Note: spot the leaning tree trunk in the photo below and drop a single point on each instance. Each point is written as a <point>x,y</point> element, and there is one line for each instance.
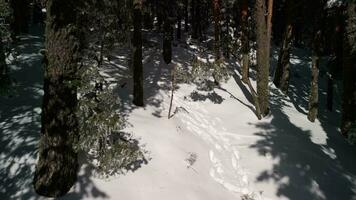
<point>262,56</point>
<point>57,166</point>
<point>349,68</point>
<point>245,41</point>
<point>137,55</point>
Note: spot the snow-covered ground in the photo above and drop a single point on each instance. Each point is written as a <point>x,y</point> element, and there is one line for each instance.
<point>213,147</point>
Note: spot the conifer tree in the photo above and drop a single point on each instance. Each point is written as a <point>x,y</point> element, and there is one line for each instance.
<point>57,166</point>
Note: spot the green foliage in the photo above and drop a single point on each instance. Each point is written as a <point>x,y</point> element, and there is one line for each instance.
<point>111,151</point>
<point>201,72</point>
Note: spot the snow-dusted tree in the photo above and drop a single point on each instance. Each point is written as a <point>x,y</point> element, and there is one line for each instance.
<point>137,53</point>
<point>56,170</point>
<point>349,70</point>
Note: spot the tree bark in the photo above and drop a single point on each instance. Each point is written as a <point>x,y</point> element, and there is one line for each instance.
<point>349,71</point>
<point>314,89</point>
<point>217,27</point>
<point>282,74</point>
<point>3,66</point>
<point>57,166</point>
<point>316,54</point>
<point>137,54</point>
<point>262,29</point>
<point>245,41</point>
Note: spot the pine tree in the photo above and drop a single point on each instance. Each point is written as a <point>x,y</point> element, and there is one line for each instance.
<point>282,74</point>
<point>263,31</point>
<point>349,71</point>
<point>137,53</point>
<point>57,166</point>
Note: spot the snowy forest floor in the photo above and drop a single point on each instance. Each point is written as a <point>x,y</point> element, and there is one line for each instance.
<point>212,148</point>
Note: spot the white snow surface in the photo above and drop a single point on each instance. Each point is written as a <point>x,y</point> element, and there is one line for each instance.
<point>283,156</point>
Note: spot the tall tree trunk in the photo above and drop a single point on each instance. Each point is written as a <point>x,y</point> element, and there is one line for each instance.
<point>217,27</point>
<point>245,41</point>
<point>3,66</point>
<point>263,44</point>
<point>179,27</point>
<point>168,32</point>
<point>137,54</point>
<point>282,73</point>
<point>349,68</point>
<point>20,16</point>
<point>314,89</point>
<point>57,166</point>
<point>316,54</point>
<point>186,15</point>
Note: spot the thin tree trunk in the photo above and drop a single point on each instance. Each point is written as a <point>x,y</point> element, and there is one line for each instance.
<point>245,41</point>
<point>217,27</point>
<point>3,66</point>
<point>172,92</point>
<point>57,166</point>
<point>314,89</point>
<point>179,27</point>
<point>168,33</point>
<point>282,74</point>
<point>186,15</point>
<point>349,71</point>
<point>137,55</point>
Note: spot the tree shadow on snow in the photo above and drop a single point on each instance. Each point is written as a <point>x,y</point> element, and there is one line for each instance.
<point>304,169</point>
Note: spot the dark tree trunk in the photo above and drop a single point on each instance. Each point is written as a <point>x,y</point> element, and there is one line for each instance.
<point>137,55</point>
<point>282,73</point>
<point>3,66</point>
<point>20,10</point>
<point>316,54</point>
<point>179,27</point>
<point>167,41</point>
<point>57,166</point>
<point>217,27</point>
<point>245,41</point>
<point>186,15</point>
<point>196,19</point>
<point>349,71</point>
